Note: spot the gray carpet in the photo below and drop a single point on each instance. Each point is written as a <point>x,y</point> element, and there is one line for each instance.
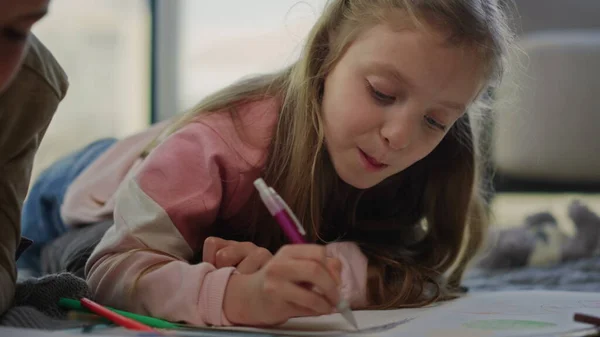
<point>580,275</point>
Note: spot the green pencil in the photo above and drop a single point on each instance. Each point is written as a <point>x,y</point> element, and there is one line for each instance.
<point>72,304</point>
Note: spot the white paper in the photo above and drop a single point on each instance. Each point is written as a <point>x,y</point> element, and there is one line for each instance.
<point>369,322</point>
<point>494,314</point>
<point>518,313</point>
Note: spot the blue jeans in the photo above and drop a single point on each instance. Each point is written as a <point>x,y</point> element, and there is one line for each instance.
<point>40,218</point>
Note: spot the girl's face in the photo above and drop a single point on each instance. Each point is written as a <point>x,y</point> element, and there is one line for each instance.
<point>391,99</point>
<point>16,19</point>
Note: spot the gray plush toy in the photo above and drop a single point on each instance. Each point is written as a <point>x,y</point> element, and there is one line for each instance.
<point>540,241</point>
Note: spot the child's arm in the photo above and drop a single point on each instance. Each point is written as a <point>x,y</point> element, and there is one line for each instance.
<point>162,217</point>
<point>354,272</point>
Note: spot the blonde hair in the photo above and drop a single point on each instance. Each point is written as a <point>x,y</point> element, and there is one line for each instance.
<point>406,267</point>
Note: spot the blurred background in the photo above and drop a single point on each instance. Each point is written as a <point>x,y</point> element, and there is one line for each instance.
<point>104,48</point>
<point>132,63</point>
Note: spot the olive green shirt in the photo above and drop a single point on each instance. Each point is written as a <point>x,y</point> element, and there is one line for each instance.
<point>26,109</point>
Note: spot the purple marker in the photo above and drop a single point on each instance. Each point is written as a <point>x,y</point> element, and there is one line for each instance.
<point>294,231</point>
<point>281,212</point>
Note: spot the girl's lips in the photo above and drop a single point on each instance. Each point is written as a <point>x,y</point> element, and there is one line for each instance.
<point>371,164</point>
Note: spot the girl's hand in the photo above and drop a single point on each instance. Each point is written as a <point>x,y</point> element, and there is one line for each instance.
<point>297,281</point>
<point>245,256</point>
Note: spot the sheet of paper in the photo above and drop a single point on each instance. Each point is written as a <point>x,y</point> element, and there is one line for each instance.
<point>520,313</point>
<point>503,314</point>
<point>499,314</point>
<point>369,322</point>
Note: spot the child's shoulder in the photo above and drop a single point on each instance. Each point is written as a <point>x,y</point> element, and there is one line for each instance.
<point>247,129</point>
<point>253,117</point>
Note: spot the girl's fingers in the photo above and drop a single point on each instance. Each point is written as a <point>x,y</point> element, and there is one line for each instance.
<point>335,268</point>
<point>326,283</point>
<point>255,261</point>
<point>298,311</point>
<point>210,248</point>
<point>232,255</point>
<point>308,302</point>
<point>307,271</point>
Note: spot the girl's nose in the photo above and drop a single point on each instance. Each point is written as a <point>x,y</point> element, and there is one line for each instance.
<point>398,131</point>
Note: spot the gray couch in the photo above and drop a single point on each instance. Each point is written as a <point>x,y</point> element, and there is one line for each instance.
<point>548,130</point>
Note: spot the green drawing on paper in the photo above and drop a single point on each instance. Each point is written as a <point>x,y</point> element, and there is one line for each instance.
<point>507,324</point>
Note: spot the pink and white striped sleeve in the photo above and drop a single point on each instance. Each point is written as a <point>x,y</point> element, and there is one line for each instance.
<point>162,216</point>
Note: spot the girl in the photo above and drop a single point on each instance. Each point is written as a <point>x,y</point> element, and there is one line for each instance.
<point>368,138</point>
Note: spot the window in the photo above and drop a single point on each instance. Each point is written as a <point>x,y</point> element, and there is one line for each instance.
<point>201,46</point>
<point>104,47</point>
<point>223,41</point>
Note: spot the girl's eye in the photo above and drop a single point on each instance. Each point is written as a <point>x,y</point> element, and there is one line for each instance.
<point>14,35</point>
<point>432,123</point>
<point>380,97</point>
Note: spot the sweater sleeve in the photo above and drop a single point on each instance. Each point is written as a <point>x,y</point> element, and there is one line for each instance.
<point>354,272</point>
<point>162,216</point>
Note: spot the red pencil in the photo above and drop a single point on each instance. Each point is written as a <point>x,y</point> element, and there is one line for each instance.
<point>114,317</point>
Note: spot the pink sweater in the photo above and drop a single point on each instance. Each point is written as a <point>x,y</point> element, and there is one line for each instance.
<point>166,205</point>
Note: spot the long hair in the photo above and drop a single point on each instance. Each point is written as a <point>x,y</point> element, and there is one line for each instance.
<point>419,228</point>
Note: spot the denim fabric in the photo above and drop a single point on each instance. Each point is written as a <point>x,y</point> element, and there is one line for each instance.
<point>40,218</point>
